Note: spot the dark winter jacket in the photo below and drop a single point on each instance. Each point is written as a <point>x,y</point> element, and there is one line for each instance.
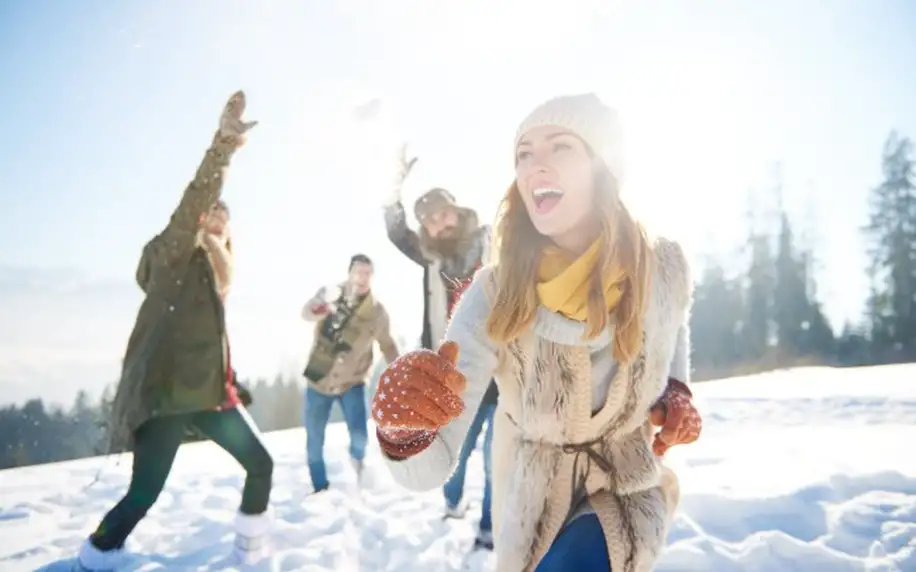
<point>441,277</point>
<point>176,357</point>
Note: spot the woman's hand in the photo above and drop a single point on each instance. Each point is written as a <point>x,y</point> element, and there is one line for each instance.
<point>675,414</point>
<point>421,390</point>
<point>418,394</point>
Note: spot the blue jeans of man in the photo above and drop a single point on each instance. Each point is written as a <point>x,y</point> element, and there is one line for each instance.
<point>580,547</point>
<point>454,488</point>
<point>317,412</point>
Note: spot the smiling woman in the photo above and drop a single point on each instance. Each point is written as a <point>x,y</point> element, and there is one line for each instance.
<point>582,320</point>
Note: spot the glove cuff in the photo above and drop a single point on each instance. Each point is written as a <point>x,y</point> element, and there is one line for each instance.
<point>398,451</point>
<point>676,385</point>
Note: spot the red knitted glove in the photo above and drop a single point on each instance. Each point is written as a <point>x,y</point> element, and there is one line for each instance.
<point>418,394</point>
<point>401,444</point>
<point>675,414</point>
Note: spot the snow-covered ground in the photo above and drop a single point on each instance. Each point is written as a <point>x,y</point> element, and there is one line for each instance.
<point>811,470</point>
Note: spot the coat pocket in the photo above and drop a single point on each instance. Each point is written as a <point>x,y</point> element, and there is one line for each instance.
<point>196,377</point>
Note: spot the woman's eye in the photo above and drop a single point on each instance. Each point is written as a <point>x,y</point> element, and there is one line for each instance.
<point>562,147</point>
<point>522,155</point>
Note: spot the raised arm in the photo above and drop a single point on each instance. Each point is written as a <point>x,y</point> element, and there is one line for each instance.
<point>399,233</point>
<point>179,236</point>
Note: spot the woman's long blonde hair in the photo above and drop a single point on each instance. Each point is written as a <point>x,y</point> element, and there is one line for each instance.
<point>516,253</point>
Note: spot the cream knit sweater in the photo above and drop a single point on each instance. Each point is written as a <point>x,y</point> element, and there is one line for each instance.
<point>556,389</point>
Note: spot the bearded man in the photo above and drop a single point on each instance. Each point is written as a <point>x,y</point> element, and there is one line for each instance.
<point>451,246</point>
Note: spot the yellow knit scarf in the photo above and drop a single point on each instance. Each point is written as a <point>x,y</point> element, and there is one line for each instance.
<point>563,282</point>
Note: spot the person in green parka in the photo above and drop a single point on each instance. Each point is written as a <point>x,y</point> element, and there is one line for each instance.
<point>176,376</point>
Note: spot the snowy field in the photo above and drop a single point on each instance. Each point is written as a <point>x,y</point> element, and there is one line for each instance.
<point>808,470</point>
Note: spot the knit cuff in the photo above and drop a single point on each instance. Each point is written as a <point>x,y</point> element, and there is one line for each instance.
<point>678,385</point>
<point>398,450</point>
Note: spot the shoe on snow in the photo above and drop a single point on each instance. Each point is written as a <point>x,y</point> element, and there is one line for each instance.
<point>484,540</point>
<point>457,512</point>
<point>91,559</point>
<point>358,468</point>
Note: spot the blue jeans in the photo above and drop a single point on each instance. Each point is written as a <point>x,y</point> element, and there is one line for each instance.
<point>317,413</point>
<point>580,547</point>
<point>454,488</point>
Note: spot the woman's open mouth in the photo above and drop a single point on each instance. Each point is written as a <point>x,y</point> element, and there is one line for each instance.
<point>546,199</point>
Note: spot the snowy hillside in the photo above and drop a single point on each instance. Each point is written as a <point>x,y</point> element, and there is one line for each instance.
<point>809,469</point>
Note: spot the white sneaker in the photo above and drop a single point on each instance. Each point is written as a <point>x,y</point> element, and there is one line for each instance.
<point>456,511</point>
<point>484,540</point>
<point>359,467</point>
<point>250,545</point>
<point>91,559</point>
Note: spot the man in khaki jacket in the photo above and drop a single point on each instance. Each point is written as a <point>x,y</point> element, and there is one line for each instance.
<point>348,321</point>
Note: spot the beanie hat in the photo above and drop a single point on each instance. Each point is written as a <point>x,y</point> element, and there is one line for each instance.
<point>590,119</point>
<point>432,201</point>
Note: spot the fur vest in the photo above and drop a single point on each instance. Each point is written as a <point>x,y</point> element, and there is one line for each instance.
<point>550,451</point>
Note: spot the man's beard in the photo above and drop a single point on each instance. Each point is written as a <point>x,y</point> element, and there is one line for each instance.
<point>448,244</point>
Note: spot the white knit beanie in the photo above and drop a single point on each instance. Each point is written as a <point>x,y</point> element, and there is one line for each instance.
<point>590,119</point>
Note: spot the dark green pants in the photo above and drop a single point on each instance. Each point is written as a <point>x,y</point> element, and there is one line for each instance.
<point>156,443</point>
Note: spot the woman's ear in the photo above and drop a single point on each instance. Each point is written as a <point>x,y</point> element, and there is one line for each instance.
<point>201,219</point>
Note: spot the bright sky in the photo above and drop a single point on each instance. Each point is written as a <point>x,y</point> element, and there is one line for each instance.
<point>108,106</point>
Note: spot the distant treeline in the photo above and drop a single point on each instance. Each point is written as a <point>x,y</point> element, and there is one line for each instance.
<point>767,315</point>
<point>36,433</point>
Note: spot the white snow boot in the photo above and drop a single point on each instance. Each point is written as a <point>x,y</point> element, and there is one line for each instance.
<point>91,559</point>
<point>251,537</point>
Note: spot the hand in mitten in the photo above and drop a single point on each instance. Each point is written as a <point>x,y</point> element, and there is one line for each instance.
<point>675,414</point>
<point>418,394</point>
<point>403,169</point>
<point>232,129</point>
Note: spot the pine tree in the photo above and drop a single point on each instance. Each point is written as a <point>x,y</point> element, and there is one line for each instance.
<point>715,323</point>
<point>790,297</point>
<point>892,232</point>
<point>758,331</point>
